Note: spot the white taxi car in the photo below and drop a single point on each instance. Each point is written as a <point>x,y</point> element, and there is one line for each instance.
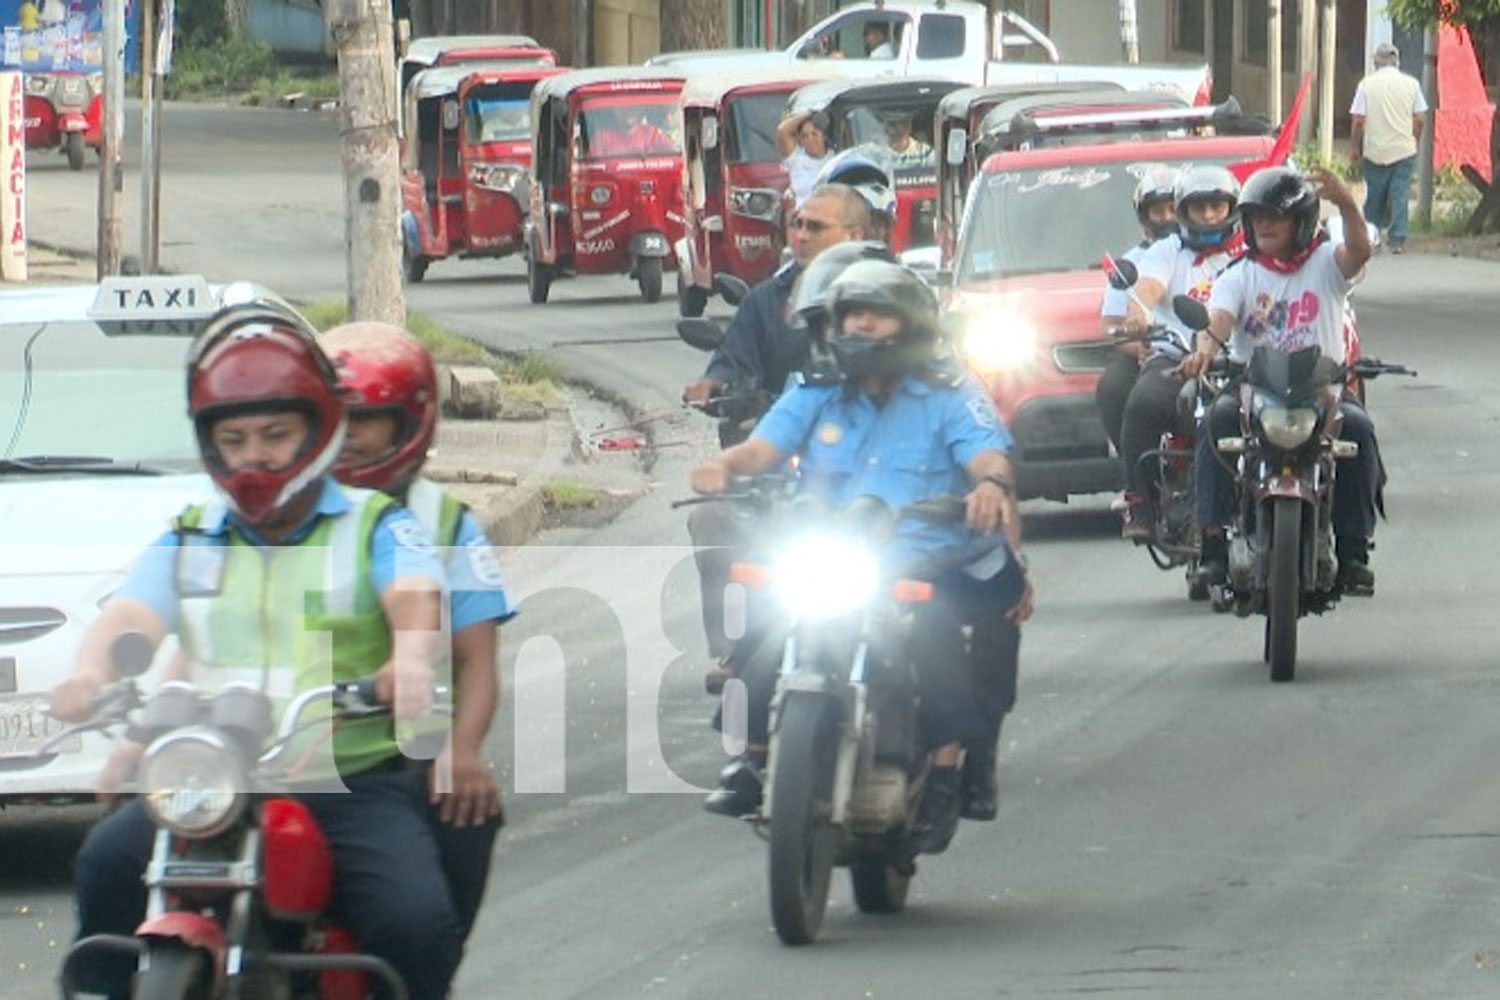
<point>97,454</point>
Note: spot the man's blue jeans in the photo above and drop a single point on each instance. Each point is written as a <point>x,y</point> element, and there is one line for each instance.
<point>1386,189</point>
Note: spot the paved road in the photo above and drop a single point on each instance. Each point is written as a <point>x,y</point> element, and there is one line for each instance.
<point>1171,823</point>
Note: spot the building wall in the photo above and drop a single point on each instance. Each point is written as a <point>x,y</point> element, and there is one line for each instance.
<point>291,27</point>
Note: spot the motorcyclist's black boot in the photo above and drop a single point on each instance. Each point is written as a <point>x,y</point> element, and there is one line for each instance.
<point>1213,563</point>
<point>937,819</point>
<point>740,785</point>
<point>1355,576</point>
<point>977,779</point>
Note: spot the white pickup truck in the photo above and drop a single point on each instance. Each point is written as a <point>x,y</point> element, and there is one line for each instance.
<point>946,38</point>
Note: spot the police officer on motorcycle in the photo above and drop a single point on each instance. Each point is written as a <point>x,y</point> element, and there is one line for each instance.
<point>902,425</point>
<point>232,580</point>
<point>392,393</point>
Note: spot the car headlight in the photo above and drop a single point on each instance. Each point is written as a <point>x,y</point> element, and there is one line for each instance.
<point>999,344</point>
<point>193,783</point>
<point>755,203</point>
<point>1285,426</point>
<point>822,577</point>
<point>600,194</point>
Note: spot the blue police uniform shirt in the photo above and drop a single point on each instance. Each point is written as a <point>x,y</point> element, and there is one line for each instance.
<point>477,590</point>
<point>398,540</point>
<point>917,446</point>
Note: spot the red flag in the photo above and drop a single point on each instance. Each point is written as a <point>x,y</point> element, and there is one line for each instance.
<point>1285,139</point>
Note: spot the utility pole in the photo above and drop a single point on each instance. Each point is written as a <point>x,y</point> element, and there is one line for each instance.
<point>1326,66</point>
<point>1424,146</point>
<point>1273,58</point>
<point>361,31</point>
<point>156,45</point>
<point>112,140</point>
<point>1130,46</point>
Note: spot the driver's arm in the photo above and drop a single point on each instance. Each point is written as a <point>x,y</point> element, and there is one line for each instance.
<point>786,134</point>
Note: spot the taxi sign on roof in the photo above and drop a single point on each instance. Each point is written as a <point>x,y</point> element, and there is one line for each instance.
<point>153,297</point>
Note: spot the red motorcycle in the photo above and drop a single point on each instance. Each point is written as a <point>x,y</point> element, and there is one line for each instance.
<point>240,877</point>
<point>63,111</point>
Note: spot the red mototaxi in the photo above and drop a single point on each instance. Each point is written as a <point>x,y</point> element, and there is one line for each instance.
<point>858,111</point>
<point>453,50</point>
<point>63,110</point>
<point>1028,286</point>
<point>606,177</point>
<point>733,178</point>
<point>465,162</point>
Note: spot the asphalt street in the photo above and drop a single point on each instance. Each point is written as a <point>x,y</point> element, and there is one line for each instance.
<point>1171,823</point>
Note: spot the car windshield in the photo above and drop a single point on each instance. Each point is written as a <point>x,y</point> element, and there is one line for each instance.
<point>499,112</point>
<point>1054,219</point>
<point>68,390</point>
<point>752,128</point>
<point>904,130</point>
<point>641,125</point>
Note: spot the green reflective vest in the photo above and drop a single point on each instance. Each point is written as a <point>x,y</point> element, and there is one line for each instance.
<point>287,618</point>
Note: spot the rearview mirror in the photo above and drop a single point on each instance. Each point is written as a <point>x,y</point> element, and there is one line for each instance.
<point>730,288</point>
<point>1123,275</point>
<point>700,333</point>
<point>958,146</point>
<point>1194,314</point>
<point>131,654</point>
<point>710,131</point>
<point>450,115</point>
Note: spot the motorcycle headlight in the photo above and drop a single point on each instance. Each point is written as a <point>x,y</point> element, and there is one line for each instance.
<point>600,194</point>
<point>1285,426</point>
<point>823,577</point>
<point>193,783</point>
<point>999,345</point>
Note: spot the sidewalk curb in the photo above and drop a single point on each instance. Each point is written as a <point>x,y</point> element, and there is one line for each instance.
<point>512,514</point>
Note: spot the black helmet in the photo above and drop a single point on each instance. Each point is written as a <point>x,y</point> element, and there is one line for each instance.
<point>809,298</point>
<point>1205,182</point>
<point>867,169</point>
<point>1157,186</point>
<point>892,289</point>
<point>1281,191</point>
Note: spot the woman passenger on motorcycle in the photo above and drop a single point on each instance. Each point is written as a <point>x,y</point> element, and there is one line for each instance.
<point>270,422</point>
<point>903,427</point>
<point>1291,290</point>
<point>1186,263</point>
<point>1156,211</point>
<point>392,395</point>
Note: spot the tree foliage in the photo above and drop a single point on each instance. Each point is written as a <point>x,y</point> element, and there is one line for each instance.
<point>1478,15</point>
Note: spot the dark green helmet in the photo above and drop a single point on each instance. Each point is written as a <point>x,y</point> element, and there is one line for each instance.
<point>889,288</point>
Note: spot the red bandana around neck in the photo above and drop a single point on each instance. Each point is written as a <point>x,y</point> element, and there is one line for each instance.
<point>1292,264</point>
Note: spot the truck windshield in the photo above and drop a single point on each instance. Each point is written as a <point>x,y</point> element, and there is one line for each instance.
<point>1055,219</point>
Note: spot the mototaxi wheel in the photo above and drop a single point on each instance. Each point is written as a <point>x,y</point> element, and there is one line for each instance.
<point>649,277</point>
<point>691,299</point>
<point>802,837</point>
<point>75,150</point>
<point>173,971</point>
<point>413,266</point>
<point>1284,599</point>
<point>879,885</point>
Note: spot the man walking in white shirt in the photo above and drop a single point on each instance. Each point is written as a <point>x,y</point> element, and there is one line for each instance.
<point>1386,121</point>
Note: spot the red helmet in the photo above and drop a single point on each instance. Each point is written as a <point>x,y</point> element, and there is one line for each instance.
<point>382,368</point>
<point>262,358</point>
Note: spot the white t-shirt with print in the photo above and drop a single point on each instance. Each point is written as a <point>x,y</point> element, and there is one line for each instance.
<point>1287,311</point>
<point>1181,271</point>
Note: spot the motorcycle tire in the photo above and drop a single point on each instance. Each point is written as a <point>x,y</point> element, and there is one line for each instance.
<point>649,277</point>
<point>879,886</point>
<point>538,280</point>
<point>1284,586</point>
<point>173,971</point>
<point>691,300</point>
<point>802,838</point>
<point>75,150</point>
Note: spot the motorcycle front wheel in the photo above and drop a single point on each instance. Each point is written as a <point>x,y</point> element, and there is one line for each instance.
<point>649,278</point>
<point>802,838</point>
<point>75,150</point>
<point>1285,588</point>
<point>173,971</point>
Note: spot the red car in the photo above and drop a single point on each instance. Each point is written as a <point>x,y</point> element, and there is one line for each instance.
<point>1028,282</point>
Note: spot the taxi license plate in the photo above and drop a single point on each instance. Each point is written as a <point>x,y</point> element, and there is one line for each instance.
<point>25,725</point>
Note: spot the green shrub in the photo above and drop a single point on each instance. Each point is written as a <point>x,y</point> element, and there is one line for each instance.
<point>223,67</point>
<point>1308,157</point>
